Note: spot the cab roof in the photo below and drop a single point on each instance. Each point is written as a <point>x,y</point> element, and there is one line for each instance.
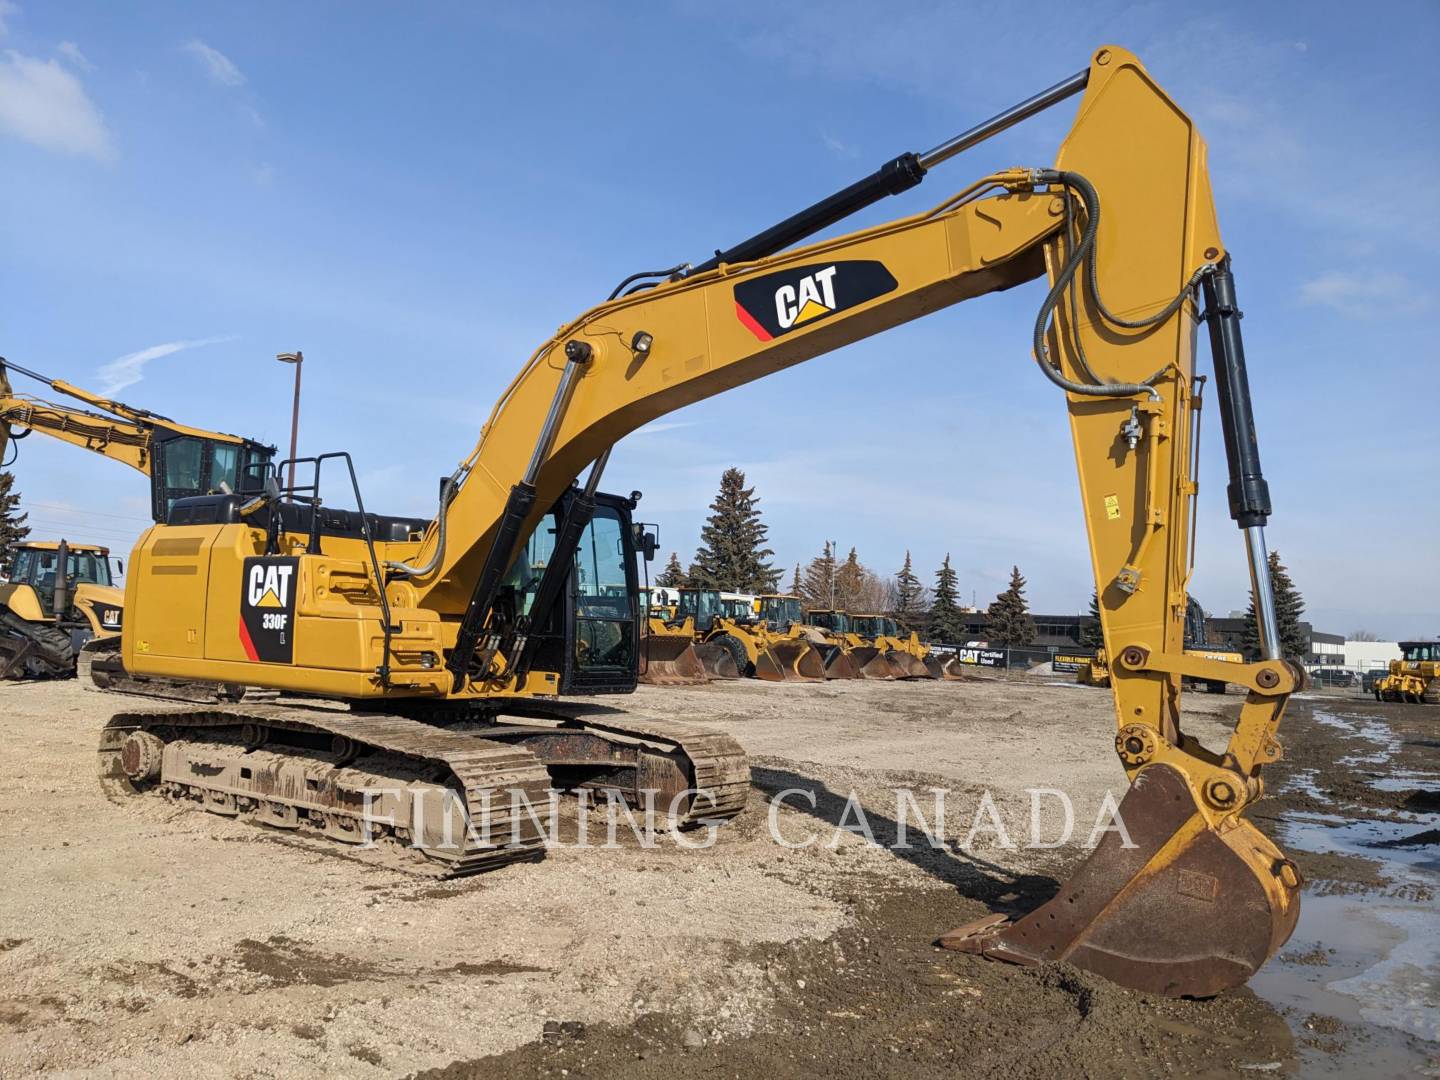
<point>54,545</point>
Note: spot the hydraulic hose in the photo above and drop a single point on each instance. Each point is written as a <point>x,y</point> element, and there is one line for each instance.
<point>1084,254</point>
<point>405,570</point>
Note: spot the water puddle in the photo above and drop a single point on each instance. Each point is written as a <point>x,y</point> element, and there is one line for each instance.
<point>1359,982</point>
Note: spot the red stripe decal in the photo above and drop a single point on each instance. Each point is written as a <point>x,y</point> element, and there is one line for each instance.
<point>749,322</point>
<point>247,643</point>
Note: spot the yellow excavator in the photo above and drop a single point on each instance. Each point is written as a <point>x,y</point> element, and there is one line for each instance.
<point>449,648</point>
<point>63,594</point>
<point>58,598</point>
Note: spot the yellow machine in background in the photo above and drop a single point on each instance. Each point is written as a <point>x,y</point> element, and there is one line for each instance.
<point>906,653</point>
<point>1096,671</point>
<point>181,461</point>
<point>728,633</point>
<point>784,621</point>
<point>59,597</point>
<point>865,658</point>
<point>1414,677</point>
<point>407,624</point>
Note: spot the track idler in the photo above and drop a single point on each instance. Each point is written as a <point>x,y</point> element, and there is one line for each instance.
<point>789,660</point>
<point>671,660</point>
<point>1189,910</point>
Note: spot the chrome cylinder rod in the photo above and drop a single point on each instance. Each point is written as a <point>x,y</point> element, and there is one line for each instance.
<point>1263,590</point>
<point>1007,119</point>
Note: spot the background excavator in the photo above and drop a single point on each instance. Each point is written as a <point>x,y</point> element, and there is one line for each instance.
<point>449,645</point>
<point>58,608</point>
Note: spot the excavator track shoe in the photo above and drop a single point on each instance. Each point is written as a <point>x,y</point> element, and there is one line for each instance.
<point>1188,910</point>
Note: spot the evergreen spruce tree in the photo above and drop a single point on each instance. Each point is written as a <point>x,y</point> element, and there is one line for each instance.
<point>851,585</point>
<point>1009,618</point>
<point>909,599</point>
<point>12,522</point>
<point>818,584</point>
<point>1091,636</point>
<point>1289,606</point>
<point>795,582</point>
<point>732,553</point>
<point>673,576</point>
<point>946,620</point>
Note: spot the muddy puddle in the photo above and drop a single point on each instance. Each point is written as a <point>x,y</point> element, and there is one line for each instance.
<point>1359,982</point>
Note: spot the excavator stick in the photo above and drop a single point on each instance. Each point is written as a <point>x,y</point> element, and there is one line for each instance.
<point>1188,910</point>
<point>789,660</point>
<point>671,660</point>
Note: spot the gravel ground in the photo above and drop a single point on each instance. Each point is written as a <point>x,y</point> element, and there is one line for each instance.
<point>142,938</point>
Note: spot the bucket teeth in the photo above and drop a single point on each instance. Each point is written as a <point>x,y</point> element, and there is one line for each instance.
<point>1186,910</point>
<point>790,660</point>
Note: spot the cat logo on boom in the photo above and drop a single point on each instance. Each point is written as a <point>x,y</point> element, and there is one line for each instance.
<point>793,299</point>
<point>267,609</point>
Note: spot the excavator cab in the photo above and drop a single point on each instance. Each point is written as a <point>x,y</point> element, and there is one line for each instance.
<point>188,465</point>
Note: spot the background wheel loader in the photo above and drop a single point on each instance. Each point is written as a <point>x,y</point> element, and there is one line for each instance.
<point>905,654</point>
<point>734,634</point>
<point>866,659</point>
<point>59,598</point>
<point>445,670</point>
<point>783,617</point>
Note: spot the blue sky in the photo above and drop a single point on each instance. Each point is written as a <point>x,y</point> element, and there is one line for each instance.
<point>415,195</point>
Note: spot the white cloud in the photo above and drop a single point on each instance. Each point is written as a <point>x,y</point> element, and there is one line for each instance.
<point>43,103</point>
<point>838,147</point>
<point>1366,296</point>
<point>129,369</point>
<point>219,67</point>
<point>71,52</point>
<point>662,425</point>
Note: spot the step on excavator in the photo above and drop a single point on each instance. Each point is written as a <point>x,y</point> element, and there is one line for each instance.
<point>445,655</point>
<point>72,595</point>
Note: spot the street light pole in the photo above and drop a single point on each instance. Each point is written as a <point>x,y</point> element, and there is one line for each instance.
<point>298,359</point>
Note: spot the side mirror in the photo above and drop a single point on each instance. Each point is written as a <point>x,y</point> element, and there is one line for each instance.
<point>649,545</point>
<point>119,567</point>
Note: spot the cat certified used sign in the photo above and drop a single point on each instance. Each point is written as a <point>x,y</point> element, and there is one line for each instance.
<point>267,608</point>
<point>790,299</point>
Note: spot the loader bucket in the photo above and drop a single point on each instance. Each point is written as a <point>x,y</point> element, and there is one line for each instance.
<point>871,663</point>
<point>935,668</point>
<point>911,665</point>
<point>838,663</point>
<point>671,660</point>
<point>718,661</point>
<point>952,670</point>
<point>791,660</point>
<point>1188,911</point>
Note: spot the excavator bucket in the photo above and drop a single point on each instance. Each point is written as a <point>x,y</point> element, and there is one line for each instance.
<point>789,660</point>
<point>671,660</point>
<point>1185,909</point>
<point>717,660</point>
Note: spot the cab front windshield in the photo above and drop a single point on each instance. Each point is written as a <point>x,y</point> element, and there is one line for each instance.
<point>835,621</point>
<point>702,605</point>
<point>1421,651</point>
<point>781,611</point>
<point>39,568</point>
<point>865,625</point>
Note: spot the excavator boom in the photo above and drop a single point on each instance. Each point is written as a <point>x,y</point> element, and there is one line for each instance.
<point>1123,226</point>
